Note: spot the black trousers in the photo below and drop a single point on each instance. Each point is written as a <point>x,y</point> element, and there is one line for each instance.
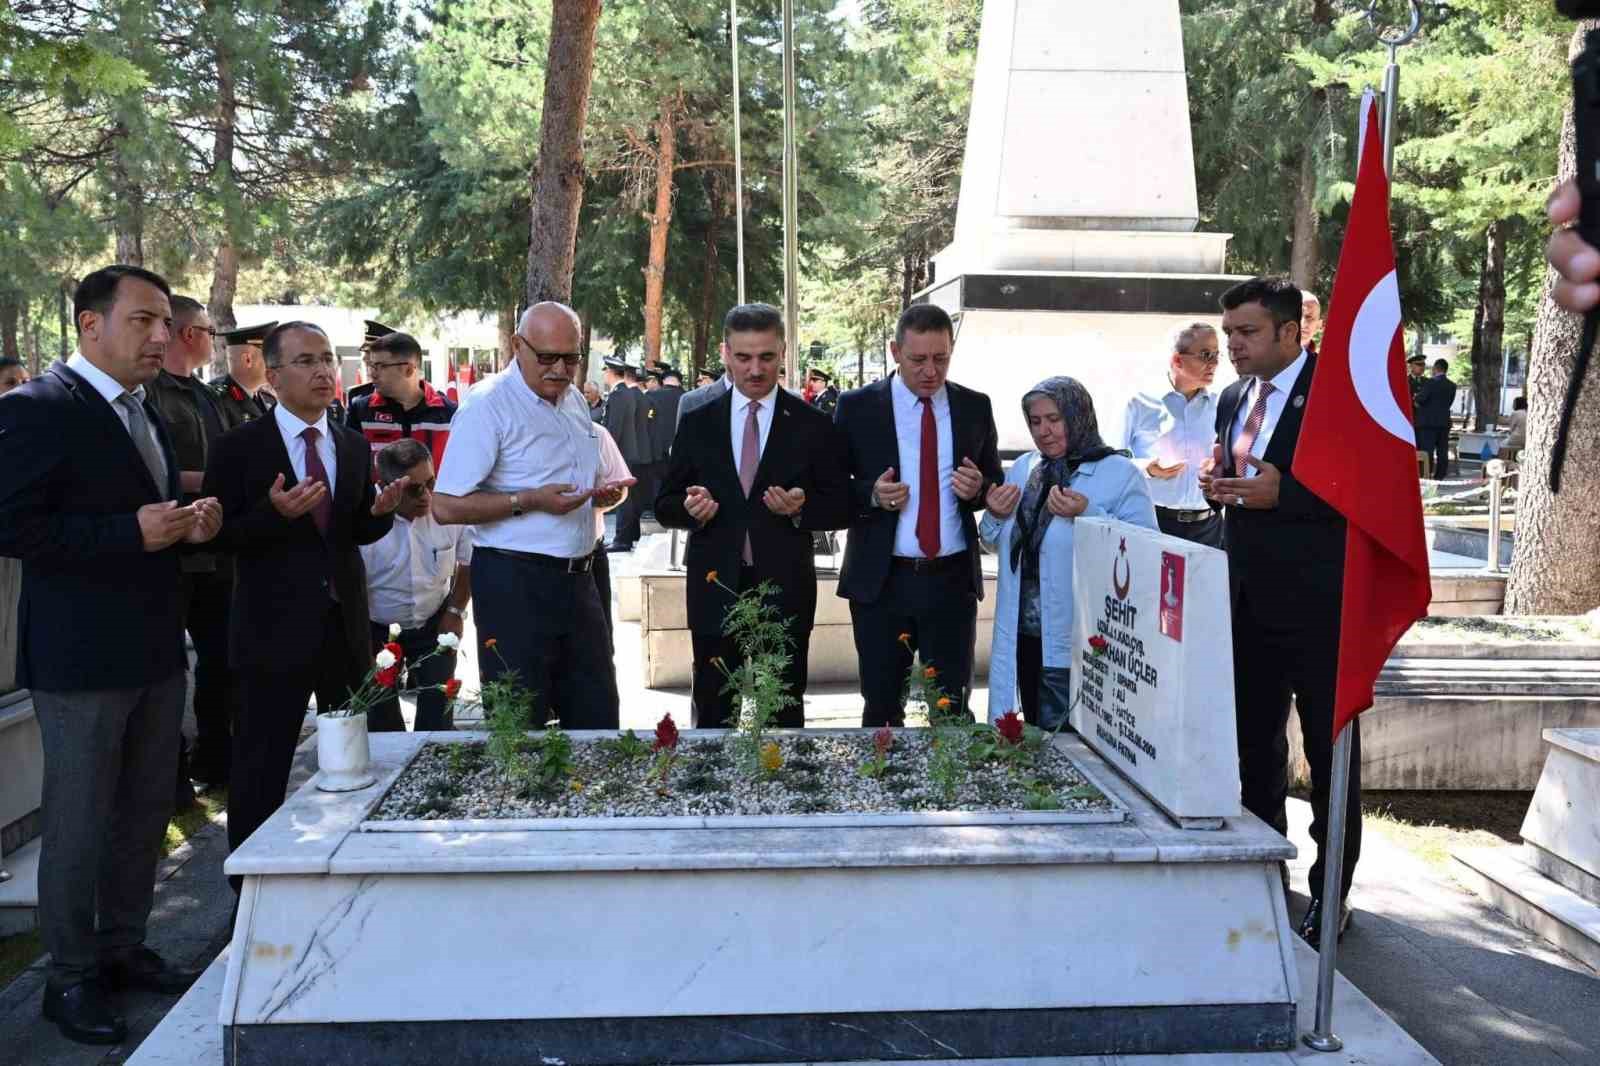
<point>1207,531</point>
<point>1271,665</point>
<point>641,498</point>
<point>548,628</point>
<point>602,586</point>
<point>424,670</point>
<point>1435,441</point>
<point>271,713</point>
<point>711,707</point>
<point>938,615</point>
<point>208,598</point>
<point>1045,692</point>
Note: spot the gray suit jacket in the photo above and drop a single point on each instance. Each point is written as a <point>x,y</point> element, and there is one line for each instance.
<point>701,396</point>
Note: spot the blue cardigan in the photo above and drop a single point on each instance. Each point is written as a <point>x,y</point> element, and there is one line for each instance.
<point>1116,489</point>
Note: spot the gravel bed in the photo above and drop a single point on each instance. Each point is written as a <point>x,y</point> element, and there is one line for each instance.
<point>1507,629</point>
<point>819,774</point>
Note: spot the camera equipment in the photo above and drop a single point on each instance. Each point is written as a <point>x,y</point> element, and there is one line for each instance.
<point>1586,126</point>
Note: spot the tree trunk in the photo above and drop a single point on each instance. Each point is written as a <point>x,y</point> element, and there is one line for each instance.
<point>127,202</point>
<point>708,285</point>
<point>557,177</point>
<point>1554,568</point>
<point>506,325</point>
<point>1305,258</point>
<point>1488,347</point>
<point>225,271</point>
<point>655,270</point>
<point>10,312</point>
<point>64,320</point>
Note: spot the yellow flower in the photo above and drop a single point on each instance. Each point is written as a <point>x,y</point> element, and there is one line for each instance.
<point>944,703</point>
<point>577,786</point>
<point>711,576</point>
<point>930,672</point>
<point>771,757</point>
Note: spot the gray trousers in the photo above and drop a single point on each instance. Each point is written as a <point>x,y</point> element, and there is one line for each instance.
<point>110,756</point>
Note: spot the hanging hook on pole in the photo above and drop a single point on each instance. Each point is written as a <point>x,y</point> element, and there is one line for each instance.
<point>1394,39</point>
<point>738,154</point>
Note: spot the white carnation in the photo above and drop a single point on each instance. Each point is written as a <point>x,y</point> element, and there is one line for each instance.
<point>394,630</point>
<point>449,640</point>
<point>385,659</point>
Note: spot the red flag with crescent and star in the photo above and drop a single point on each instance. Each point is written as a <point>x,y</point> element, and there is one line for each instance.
<point>1357,448</point>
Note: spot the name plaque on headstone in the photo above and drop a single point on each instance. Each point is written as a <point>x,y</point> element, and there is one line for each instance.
<point>1153,666</point>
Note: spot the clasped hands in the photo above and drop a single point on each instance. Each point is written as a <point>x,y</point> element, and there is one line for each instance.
<point>702,506</point>
<point>161,525</point>
<point>1061,502</point>
<point>1259,493</point>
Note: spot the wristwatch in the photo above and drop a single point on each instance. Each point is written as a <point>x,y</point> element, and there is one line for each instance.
<point>516,504</point>
<point>453,609</point>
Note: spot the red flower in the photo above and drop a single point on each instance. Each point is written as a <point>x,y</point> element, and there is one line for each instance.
<point>1098,644</point>
<point>1010,727</point>
<point>666,734</point>
<point>387,678</point>
<point>883,740</point>
<point>396,650</point>
<point>451,687</point>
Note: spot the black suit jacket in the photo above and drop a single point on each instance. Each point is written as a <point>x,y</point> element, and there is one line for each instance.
<point>803,451</point>
<point>283,568</point>
<point>1288,561</point>
<point>662,405</point>
<point>97,611</point>
<point>1434,400</point>
<point>865,416</point>
<point>626,422</point>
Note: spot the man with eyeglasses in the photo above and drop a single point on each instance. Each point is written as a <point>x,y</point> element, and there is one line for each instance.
<point>524,469</point>
<point>298,501</point>
<point>401,405</point>
<point>419,578</point>
<point>1170,433</point>
<point>193,423</point>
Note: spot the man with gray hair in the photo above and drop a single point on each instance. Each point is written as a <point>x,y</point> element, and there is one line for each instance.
<point>419,578</point>
<point>524,468</point>
<point>1170,433</point>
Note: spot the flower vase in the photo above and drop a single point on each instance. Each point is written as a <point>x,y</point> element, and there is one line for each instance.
<point>343,754</point>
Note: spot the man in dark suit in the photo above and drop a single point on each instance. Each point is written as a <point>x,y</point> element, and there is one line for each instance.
<point>88,502</point>
<point>1434,400</point>
<point>921,454</point>
<point>753,474</point>
<point>297,501</point>
<point>628,425</point>
<point>1286,570</point>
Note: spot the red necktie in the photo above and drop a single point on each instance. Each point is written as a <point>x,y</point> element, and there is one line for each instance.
<point>928,485</point>
<point>322,513</point>
<point>1250,431</point>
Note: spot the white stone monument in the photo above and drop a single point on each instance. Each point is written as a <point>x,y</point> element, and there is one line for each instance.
<point>1156,700</point>
<point>1075,248</point>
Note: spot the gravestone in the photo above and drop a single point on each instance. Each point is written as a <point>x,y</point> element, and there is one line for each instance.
<point>1155,688</point>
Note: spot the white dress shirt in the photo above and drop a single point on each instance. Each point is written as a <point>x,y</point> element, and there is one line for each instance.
<point>108,387</point>
<point>410,571</point>
<point>741,413</point>
<point>290,426</point>
<point>908,430</point>
<point>613,467</point>
<point>1166,427</point>
<point>1282,385</point>
<point>510,439</point>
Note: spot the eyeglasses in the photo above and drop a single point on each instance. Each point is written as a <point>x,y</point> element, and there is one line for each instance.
<point>549,358</point>
<point>417,492</point>
<point>372,365</point>
<point>1207,356</point>
<point>209,331</point>
<point>311,362</point>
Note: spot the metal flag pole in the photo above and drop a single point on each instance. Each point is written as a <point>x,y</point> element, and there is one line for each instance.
<point>791,295</point>
<point>1322,1036</point>
<point>738,153</point>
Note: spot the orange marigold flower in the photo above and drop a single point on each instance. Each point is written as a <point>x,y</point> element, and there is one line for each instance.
<point>943,703</point>
<point>491,642</point>
<point>930,672</point>
<point>711,576</point>
<point>905,638</point>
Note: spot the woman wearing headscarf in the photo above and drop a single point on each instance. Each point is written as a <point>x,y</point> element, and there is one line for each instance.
<point>1029,525</point>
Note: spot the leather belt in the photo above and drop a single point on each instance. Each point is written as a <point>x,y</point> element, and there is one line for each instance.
<point>902,564</point>
<point>580,565</point>
<point>1187,516</point>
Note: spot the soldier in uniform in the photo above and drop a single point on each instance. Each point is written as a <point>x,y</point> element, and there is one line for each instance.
<point>373,330</point>
<point>627,420</point>
<point>401,403</point>
<point>239,393</point>
<point>825,394</point>
<point>661,409</point>
<point>193,422</point>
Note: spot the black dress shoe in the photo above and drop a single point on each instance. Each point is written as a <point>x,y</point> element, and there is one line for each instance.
<point>1311,925</point>
<point>143,968</point>
<point>82,1013</point>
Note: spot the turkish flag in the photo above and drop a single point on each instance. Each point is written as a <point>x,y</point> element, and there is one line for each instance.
<point>450,378</point>
<point>1357,448</point>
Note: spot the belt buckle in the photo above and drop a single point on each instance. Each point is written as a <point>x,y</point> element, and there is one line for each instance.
<point>923,565</point>
<point>580,565</point>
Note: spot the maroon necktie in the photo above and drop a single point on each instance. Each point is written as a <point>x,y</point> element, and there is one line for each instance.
<point>1250,431</point>
<point>322,513</point>
<point>928,485</point>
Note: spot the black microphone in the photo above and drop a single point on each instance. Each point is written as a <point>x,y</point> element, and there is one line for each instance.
<point>1586,127</point>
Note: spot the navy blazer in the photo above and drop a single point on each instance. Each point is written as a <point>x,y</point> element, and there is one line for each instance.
<point>284,569</point>
<point>866,418</point>
<point>803,452</point>
<point>97,610</point>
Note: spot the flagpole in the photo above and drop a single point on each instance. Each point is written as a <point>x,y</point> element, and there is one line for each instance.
<point>738,154</point>
<point>1322,1036</point>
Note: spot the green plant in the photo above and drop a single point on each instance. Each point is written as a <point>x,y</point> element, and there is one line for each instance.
<point>878,761</point>
<point>666,749</point>
<point>624,747</point>
<point>1038,796</point>
<point>756,626</point>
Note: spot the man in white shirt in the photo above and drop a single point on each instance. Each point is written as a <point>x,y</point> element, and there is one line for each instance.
<point>524,469</point>
<point>1170,433</point>
<point>419,578</point>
